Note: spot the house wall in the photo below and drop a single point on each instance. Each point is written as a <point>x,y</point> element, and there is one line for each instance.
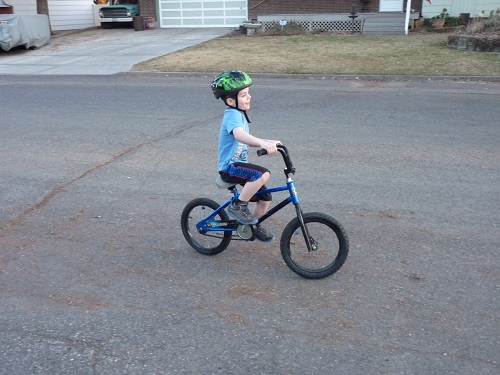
<point>455,7</point>
<point>63,14</point>
<point>416,4</point>
<point>23,6</point>
<point>267,7</point>
<point>487,6</point>
<point>148,8</point>
<point>71,14</point>
<point>78,14</point>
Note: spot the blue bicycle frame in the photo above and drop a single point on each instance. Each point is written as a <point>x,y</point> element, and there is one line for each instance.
<point>208,224</point>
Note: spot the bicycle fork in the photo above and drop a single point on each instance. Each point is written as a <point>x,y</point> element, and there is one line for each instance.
<point>312,245</point>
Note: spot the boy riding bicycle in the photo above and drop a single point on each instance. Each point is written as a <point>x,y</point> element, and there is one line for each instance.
<point>234,139</point>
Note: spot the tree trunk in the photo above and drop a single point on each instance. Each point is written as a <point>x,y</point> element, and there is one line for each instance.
<point>42,7</point>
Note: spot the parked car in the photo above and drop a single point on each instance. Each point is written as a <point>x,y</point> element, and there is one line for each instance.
<point>117,12</point>
<point>30,31</point>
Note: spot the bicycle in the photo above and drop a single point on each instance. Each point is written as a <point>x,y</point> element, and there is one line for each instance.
<point>319,252</point>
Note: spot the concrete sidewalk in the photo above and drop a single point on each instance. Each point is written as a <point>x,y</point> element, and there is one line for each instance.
<point>102,51</point>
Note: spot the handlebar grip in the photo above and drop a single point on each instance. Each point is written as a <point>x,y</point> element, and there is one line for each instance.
<point>261,152</point>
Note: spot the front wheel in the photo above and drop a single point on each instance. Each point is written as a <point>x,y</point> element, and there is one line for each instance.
<point>328,239</point>
<point>209,243</point>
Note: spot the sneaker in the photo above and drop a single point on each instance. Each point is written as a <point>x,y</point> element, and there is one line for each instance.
<point>241,213</point>
<point>262,234</point>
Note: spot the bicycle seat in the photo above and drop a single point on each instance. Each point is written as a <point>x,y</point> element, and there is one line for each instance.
<point>223,185</point>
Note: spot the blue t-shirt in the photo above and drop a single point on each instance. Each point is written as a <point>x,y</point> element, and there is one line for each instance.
<point>230,150</point>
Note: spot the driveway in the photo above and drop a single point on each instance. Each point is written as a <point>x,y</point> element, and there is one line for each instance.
<point>100,51</point>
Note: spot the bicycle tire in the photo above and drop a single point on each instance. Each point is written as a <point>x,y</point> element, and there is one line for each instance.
<point>329,236</point>
<point>211,243</point>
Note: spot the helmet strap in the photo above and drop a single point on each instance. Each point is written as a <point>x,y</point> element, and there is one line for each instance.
<point>236,107</point>
<point>246,116</point>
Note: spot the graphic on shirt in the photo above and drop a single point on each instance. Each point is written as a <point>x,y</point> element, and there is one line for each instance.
<point>241,154</point>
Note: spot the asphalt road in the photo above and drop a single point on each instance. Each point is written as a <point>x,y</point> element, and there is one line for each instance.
<point>96,278</point>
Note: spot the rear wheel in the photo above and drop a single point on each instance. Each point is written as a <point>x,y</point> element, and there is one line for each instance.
<point>209,243</point>
<point>328,239</point>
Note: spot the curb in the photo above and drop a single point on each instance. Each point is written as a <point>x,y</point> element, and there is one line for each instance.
<point>58,34</point>
<point>347,77</point>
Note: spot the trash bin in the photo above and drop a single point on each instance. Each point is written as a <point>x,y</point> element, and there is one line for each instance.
<point>464,19</point>
<point>138,23</point>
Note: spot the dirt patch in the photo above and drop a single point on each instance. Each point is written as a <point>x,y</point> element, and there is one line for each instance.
<point>252,290</point>
<point>232,317</point>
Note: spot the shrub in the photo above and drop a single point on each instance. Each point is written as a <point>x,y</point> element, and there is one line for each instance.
<point>427,22</point>
<point>441,15</point>
<point>481,35</point>
<point>451,21</point>
<point>488,25</point>
<point>291,28</point>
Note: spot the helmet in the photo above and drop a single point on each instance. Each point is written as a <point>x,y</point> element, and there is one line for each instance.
<point>230,83</point>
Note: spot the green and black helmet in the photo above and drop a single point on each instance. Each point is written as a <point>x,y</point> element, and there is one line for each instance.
<point>229,83</point>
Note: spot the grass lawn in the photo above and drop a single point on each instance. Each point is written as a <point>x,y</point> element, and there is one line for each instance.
<point>413,54</point>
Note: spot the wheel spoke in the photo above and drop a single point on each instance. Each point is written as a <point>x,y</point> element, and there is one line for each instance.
<point>316,259</point>
<point>208,243</point>
<point>329,245</point>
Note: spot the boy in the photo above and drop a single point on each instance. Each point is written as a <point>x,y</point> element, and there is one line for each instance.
<point>234,138</point>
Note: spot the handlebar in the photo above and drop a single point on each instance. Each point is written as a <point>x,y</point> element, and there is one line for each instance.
<point>290,169</point>
<point>261,152</point>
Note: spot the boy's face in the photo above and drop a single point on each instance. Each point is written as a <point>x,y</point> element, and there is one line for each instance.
<point>243,99</point>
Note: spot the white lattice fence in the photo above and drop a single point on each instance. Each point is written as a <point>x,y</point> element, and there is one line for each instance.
<point>331,26</point>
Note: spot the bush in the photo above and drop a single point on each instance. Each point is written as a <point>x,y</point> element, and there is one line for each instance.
<point>482,35</point>
<point>291,28</point>
<point>451,21</point>
<point>488,25</point>
<point>441,15</point>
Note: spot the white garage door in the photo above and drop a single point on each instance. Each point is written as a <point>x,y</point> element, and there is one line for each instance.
<point>188,13</point>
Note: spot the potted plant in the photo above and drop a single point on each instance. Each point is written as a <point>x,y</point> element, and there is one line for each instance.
<point>439,20</point>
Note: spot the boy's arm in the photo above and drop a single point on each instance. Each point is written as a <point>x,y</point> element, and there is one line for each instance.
<point>248,139</point>
<point>273,141</point>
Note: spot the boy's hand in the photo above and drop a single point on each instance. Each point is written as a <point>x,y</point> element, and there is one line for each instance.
<point>273,141</point>
<point>270,146</point>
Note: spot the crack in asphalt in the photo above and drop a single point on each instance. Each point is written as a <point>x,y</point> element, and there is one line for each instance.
<point>62,187</point>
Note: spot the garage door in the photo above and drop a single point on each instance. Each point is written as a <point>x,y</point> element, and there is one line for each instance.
<point>188,13</point>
